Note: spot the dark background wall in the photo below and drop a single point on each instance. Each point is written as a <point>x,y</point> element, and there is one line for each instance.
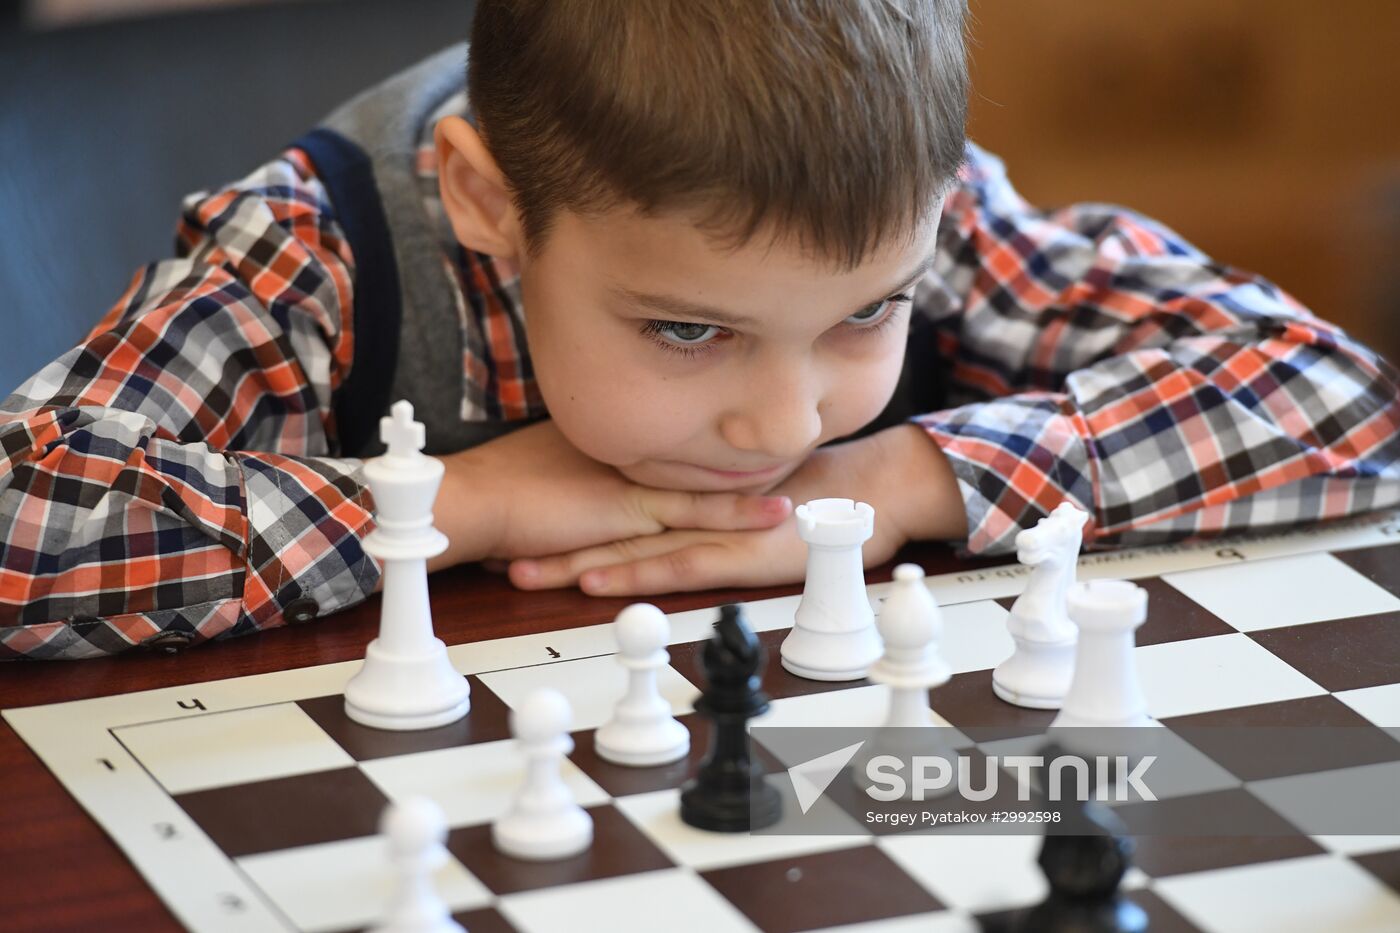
<point>104,127</point>
<point>1263,130</point>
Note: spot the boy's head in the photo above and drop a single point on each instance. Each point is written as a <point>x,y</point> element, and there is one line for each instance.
<point>778,162</point>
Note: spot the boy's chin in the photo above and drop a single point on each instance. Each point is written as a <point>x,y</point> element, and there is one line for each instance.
<point>687,478</point>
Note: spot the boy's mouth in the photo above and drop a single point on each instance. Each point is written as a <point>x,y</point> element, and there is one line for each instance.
<point>716,479</point>
<point>744,474</point>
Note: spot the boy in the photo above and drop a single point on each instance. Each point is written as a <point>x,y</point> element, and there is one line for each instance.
<point>670,253</point>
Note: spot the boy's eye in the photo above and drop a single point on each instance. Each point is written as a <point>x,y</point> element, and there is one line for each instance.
<point>692,339</point>
<point>677,334</point>
<point>866,315</point>
<point>687,333</point>
<point>878,312</point>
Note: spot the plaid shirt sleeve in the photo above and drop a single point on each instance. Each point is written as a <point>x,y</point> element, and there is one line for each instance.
<point>1096,357</point>
<point>172,477</point>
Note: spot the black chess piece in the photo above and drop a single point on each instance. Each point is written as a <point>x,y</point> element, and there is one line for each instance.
<point>1084,857</point>
<point>728,794</point>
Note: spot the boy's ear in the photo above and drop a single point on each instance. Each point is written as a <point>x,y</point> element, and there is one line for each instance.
<point>474,192</point>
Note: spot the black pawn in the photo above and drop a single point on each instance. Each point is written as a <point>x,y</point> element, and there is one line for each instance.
<point>728,794</point>
<point>1084,858</point>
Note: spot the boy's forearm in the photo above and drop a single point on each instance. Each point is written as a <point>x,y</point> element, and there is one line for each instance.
<point>467,510</point>
<point>921,480</point>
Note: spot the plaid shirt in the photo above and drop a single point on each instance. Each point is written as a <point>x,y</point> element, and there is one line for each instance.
<point>174,478</point>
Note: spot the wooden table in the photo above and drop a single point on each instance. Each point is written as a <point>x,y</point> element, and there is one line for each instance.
<point>60,872</point>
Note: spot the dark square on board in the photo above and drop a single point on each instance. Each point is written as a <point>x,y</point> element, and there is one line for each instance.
<point>282,813</point>
<point>488,720</point>
<point>850,885</point>
<point>618,848</point>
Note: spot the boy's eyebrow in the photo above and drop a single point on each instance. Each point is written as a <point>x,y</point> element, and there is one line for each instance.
<point>682,309</point>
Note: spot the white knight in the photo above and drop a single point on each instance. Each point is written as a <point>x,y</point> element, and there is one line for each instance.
<point>1038,672</point>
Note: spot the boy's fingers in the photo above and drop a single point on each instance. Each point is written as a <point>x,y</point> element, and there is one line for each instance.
<point>551,573</point>
<point>695,567</point>
<point>558,570</point>
<point>714,511</point>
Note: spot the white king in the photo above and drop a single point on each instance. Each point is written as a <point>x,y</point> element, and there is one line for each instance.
<point>406,682</point>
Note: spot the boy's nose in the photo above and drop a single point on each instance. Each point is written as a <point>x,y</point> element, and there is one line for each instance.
<point>777,419</point>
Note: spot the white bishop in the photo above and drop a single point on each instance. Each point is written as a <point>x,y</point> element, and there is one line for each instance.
<point>911,625</point>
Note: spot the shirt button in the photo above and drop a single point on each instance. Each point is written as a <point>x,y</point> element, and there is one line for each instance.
<point>168,642</point>
<point>301,610</point>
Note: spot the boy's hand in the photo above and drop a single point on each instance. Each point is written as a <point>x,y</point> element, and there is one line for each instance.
<point>899,471</point>
<point>532,493</point>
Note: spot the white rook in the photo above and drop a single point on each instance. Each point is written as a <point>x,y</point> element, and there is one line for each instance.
<point>833,635</point>
<point>407,681</point>
<point>1105,691</point>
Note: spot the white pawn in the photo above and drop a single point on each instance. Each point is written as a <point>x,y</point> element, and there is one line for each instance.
<point>1105,691</point>
<point>1038,672</point>
<point>416,830</point>
<point>543,822</point>
<point>642,731</point>
<point>833,635</point>
<point>911,625</point>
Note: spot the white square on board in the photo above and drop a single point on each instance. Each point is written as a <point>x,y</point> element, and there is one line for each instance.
<point>670,899</point>
<point>591,685</point>
<point>472,783</point>
<point>658,814</point>
<point>975,636</point>
<point>1217,672</point>
<point>763,615</point>
<point>857,708</point>
<point>1380,704</point>
<point>540,648</point>
<point>1283,591</point>
<point>1299,895</point>
<point>341,885</point>
<point>943,921</point>
<point>766,615</point>
<point>237,747</point>
<point>972,872</point>
<point>1358,845</point>
<point>1180,769</point>
<point>1360,799</point>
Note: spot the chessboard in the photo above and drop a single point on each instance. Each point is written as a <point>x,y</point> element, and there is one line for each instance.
<point>253,803</point>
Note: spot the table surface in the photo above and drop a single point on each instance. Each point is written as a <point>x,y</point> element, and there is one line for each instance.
<point>63,873</point>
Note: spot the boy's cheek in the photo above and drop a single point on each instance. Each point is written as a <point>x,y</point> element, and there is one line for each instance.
<point>601,431</point>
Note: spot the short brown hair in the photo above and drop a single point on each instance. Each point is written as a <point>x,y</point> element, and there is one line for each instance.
<point>837,121</point>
